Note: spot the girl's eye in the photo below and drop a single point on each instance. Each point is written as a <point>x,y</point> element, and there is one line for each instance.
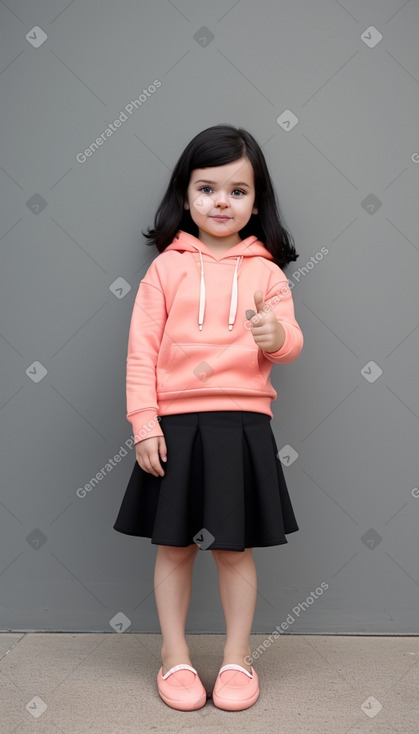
<point>209,187</point>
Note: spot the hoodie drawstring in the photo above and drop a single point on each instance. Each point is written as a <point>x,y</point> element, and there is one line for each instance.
<point>201,295</point>
<point>233,301</point>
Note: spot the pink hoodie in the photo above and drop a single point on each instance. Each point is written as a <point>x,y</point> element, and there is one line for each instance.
<point>190,346</point>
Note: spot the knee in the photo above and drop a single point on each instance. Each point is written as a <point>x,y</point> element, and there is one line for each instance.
<point>177,555</point>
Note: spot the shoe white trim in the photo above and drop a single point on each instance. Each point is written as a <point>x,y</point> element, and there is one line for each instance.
<point>181,666</point>
<point>233,666</point>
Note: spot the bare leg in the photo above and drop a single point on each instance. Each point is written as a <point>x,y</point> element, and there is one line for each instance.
<point>172,588</point>
<point>238,590</point>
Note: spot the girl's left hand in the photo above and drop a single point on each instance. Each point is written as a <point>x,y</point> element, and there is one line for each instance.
<point>267,331</point>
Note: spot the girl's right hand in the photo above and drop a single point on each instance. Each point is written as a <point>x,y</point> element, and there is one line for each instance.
<point>148,452</point>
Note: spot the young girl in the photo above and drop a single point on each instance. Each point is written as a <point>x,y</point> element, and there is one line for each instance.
<point>212,315</point>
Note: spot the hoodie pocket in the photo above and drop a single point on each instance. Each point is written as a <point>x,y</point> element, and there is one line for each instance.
<point>196,366</point>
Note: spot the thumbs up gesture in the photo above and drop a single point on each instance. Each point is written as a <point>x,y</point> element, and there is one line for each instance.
<point>266,330</point>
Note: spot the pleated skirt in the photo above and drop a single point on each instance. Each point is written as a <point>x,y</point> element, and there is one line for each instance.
<point>223,488</point>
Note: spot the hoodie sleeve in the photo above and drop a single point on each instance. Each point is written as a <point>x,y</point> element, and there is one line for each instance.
<point>279,298</point>
<point>145,334</point>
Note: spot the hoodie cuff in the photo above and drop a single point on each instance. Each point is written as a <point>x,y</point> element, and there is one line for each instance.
<point>291,347</point>
<point>145,424</point>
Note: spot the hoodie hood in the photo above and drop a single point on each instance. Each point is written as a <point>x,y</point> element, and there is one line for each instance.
<point>250,247</point>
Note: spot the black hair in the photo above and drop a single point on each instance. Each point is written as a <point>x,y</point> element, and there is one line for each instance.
<point>217,146</point>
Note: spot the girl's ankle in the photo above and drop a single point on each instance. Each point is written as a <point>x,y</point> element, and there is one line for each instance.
<point>239,657</point>
<point>170,658</point>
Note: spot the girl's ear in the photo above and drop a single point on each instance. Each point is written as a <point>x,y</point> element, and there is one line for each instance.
<point>186,205</point>
<point>255,210</point>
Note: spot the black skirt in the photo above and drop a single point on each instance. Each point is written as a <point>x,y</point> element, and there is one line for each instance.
<point>223,488</point>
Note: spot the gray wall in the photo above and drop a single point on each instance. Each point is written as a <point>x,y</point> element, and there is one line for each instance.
<point>72,257</point>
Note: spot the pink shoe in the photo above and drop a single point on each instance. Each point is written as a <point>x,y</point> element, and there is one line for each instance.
<point>235,691</point>
<point>181,688</point>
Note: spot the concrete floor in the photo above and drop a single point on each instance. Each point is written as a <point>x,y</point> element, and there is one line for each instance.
<point>57,683</point>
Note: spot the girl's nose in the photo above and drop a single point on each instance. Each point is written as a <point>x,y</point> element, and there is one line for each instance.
<point>221,198</point>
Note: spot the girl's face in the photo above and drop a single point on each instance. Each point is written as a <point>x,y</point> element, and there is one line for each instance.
<point>221,201</point>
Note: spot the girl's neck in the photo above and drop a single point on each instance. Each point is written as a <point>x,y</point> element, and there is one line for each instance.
<point>219,244</point>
